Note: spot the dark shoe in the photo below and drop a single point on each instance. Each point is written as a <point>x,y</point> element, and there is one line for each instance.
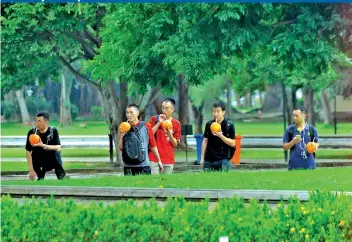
<point>64,177</point>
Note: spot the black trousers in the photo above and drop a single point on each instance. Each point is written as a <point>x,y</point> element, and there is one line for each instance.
<point>41,166</point>
<point>143,170</point>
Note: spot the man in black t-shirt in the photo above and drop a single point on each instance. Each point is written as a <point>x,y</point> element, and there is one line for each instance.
<point>45,155</point>
<point>219,147</point>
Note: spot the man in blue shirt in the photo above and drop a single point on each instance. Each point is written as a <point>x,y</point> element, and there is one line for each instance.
<point>296,137</point>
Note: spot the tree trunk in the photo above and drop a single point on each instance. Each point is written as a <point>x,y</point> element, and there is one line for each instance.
<point>113,114</point>
<point>273,99</point>
<point>183,107</point>
<point>23,106</point>
<point>260,99</point>
<point>229,101</point>
<point>65,103</point>
<point>238,100</point>
<point>293,96</point>
<point>249,100</point>
<point>198,117</point>
<point>123,100</point>
<point>89,97</point>
<point>143,101</point>
<point>326,108</point>
<point>82,103</point>
<point>308,94</point>
<point>157,106</point>
<point>288,109</point>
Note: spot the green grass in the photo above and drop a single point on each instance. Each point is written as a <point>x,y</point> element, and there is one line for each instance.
<point>245,153</point>
<point>66,152</point>
<point>22,166</point>
<point>324,179</point>
<point>243,128</point>
<point>93,128</point>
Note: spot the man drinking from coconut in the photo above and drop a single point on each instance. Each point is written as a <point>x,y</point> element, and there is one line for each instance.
<point>167,132</point>
<point>219,142</point>
<point>302,141</point>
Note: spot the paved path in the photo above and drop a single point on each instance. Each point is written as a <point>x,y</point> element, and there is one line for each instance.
<point>113,193</point>
<point>248,141</point>
<point>183,160</point>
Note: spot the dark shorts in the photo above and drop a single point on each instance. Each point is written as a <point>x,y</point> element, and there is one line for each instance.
<point>54,163</point>
<point>132,171</point>
<point>220,165</point>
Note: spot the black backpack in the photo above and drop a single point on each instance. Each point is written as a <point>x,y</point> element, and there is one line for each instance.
<point>292,129</point>
<point>50,137</point>
<point>133,152</point>
<point>232,150</point>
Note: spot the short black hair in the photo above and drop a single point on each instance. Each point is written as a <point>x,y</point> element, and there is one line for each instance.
<point>301,108</point>
<point>219,105</point>
<point>43,114</point>
<point>170,100</point>
<point>133,105</point>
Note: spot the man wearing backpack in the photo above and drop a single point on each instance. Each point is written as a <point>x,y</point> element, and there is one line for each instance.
<point>45,155</point>
<point>219,147</point>
<point>166,139</point>
<point>295,139</point>
<point>135,144</point>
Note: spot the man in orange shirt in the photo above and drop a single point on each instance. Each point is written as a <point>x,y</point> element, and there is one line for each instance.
<point>166,139</point>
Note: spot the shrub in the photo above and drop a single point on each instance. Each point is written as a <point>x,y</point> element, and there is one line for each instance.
<point>9,108</point>
<point>96,112</point>
<point>74,111</point>
<point>325,217</point>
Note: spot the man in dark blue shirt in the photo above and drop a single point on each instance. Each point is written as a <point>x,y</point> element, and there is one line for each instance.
<point>296,138</point>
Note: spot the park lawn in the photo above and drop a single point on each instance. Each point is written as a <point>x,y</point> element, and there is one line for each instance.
<point>22,166</point>
<point>243,128</point>
<point>245,153</point>
<point>66,152</point>
<point>332,179</point>
<point>92,128</point>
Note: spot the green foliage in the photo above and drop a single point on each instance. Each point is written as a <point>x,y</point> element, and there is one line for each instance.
<point>36,104</point>
<point>9,108</point>
<point>208,90</point>
<point>96,112</point>
<point>48,33</point>
<point>325,217</point>
<point>74,111</point>
<point>148,45</point>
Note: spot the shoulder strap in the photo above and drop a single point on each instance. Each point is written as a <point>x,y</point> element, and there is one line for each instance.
<point>290,132</point>
<point>311,133</point>
<point>228,123</point>
<point>52,130</point>
<point>140,125</point>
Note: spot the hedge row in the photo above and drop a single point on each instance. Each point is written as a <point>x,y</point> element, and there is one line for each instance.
<point>325,217</point>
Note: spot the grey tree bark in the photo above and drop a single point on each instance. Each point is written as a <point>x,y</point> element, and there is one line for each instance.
<point>229,99</point>
<point>65,103</point>
<point>326,108</point>
<point>183,105</point>
<point>23,106</point>
<point>308,95</point>
<point>198,117</point>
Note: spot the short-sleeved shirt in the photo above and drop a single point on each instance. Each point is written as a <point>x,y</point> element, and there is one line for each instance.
<point>165,148</point>
<point>50,137</point>
<point>146,133</point>
<point>297,159</point>
<point>216,148</point>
